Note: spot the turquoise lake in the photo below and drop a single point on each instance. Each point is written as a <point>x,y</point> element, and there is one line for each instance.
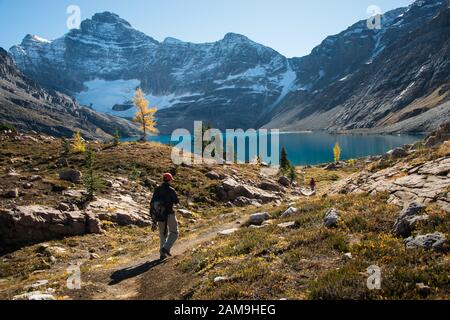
<point>317,147</point>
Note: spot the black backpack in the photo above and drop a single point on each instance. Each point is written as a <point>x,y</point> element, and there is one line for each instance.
<point>158,211</point>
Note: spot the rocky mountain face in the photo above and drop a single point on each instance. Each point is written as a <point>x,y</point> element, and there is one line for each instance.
<point>27,106</point>
<point>393,79</point>
<point>358,79</point>
<point>231,80</point>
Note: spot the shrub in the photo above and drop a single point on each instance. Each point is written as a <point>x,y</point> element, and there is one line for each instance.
<point>7,127</point>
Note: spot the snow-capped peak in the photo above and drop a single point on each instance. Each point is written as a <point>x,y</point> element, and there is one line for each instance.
<point>34,39</point>
<point>109,17</point>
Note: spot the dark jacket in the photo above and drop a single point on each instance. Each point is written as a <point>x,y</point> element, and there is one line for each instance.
<point>166,194</point>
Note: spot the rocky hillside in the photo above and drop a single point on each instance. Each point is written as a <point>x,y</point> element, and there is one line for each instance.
<point>393,79</point>
<point>27,106</point>
<point>245,232</point>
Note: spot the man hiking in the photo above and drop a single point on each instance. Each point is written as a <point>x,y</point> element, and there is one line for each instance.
<point>163,215</point>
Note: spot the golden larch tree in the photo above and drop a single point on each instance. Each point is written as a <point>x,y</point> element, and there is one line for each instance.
<point>337,152</point>
<point>145,116</point>
<point>78,145</point>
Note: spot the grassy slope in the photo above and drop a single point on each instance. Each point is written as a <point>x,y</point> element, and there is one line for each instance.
<point>269,263</point>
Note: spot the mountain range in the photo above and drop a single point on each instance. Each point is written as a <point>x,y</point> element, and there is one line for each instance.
<point>393,79</point>
<point>29,107</point>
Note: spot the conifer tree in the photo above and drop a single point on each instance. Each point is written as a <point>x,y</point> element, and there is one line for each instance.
<point>337,152</point>
<point>78,146</point>
<point>145,116</point>
<point>284,161</point>
<point>91,181</point>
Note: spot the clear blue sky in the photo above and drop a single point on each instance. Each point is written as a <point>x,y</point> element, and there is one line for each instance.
<point>292,27</point>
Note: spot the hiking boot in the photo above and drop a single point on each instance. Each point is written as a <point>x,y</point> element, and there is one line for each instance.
<point>165,252</point>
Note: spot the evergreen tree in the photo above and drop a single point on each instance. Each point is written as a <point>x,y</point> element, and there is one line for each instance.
<point>284,161</point>
<point>66,146</point>
<point>116,139</point>
<point>91,181</point>
<point>292,174</point>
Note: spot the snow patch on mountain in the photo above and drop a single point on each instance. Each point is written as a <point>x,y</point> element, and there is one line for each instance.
<point>102,95</point>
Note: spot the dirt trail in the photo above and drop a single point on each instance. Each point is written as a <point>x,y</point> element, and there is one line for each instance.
<point>162,279</point>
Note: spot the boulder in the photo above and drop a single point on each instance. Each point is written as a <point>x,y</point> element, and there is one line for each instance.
<point>33,224</point>
<point>230,190</point>
<point>221,279</point>
<point>213,175</point>
<point>27,185</point>
<point>289,212</point>
<point>228,232</point>
<point>258,218</point>
<point>35,295</point>
<point>131,218</point>
<point>284,181</point>
<point>398,153</point>
<point>35,178</point>
<point>408,219</point>
<point>63,207</point>
<point>71,175</point>
<point>12,194</point>
<point>124,211</point>
<point>331,166</point>
<point>288,225</point>
<point>243,202</point>
<point>62,163</point>
<point>331,218</point>
<point>270,186</point>
<point>185,213</point>
<point>439,136</point>
<point>229,184</point>
<point>150,183</point>
<point>94,225</point>
<point>423,289</point>
<point>435,241</point>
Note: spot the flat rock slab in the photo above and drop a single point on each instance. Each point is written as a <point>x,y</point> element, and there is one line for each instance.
<point>227,232</point>
<point>426,183</point>
<point>288,225</point>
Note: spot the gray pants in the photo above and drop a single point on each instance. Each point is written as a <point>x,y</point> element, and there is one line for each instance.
<point>168,240</point>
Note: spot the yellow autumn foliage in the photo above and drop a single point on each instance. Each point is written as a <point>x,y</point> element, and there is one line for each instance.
<point>78,145</point>
<point>145,116</point>
<point>337,152</point>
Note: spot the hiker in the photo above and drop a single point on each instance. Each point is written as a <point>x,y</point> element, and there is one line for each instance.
<point>163,215</point>
<point>312,184</point>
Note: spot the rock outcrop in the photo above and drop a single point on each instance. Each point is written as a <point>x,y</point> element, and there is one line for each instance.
<point>408,219</point>
<point>34,224</point>
<point>331,218</point>
<point>230,190</point>
<point>422,183</point>
<point>122,210</point>
<point>434,241</point>
<point>439,136</point>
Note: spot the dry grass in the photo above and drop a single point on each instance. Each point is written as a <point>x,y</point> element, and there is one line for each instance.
<point>307,262</point>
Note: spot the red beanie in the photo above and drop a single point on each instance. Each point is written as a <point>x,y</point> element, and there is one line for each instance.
<point>167,177</point>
